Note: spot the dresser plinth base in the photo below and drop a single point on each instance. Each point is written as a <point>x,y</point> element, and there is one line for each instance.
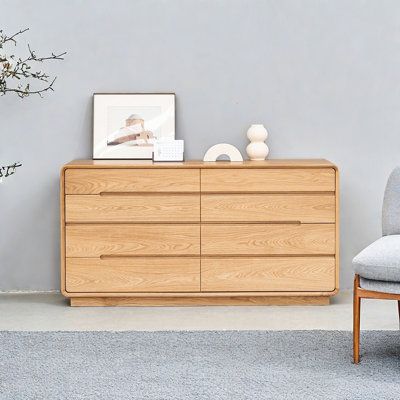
<point>199,301</point>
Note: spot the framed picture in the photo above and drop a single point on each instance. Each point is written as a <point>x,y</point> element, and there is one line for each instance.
<point>126,126</point>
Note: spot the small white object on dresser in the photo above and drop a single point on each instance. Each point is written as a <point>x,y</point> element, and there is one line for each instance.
<point>222,149</point>
<point>257,150</point>
<point>168,150</point>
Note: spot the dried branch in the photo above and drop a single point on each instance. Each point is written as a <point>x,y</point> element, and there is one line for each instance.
<point>4,38</point>
<point>33,57</point>
<point>22,92</point>
<point>8,170</point>
<point>16,75</point>
<point>18,70</point>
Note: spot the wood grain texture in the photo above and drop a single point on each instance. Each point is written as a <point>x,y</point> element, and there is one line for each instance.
<point>95,240</point>
<point>188,301</point>
<point>196,164</point>
<point>136,274</point>
<point>95,181</point>
<point>268,239</point>
<point>268,180</point>
<point>268,274</point>
<point>207,294</point>
<point>133,208</point>
<point>110,227</point>
<point>337,228</point>
<point>62,232</point>
<point>268,207</point>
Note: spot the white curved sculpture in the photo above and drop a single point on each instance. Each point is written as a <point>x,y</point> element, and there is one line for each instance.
<point>222,149</point>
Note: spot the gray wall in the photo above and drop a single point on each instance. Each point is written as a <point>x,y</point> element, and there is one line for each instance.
<point>323,76</point>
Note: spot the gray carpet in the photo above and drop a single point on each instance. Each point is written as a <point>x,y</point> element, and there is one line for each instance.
<point>198,365</point>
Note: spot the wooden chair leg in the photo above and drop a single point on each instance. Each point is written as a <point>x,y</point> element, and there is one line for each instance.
<point>398,308</point>
<point>356,321</point>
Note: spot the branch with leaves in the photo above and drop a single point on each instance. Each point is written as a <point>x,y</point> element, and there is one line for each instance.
<point>17,74</point>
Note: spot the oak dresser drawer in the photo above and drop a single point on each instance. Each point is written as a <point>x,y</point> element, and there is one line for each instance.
<point>96,240</point>
<point>306,208</point>
<point>268,274</point>
<point>268,180</point>
<point>135,274</point>
<point>268,239</point>
<point>96,181</point>
<point>133,208</point>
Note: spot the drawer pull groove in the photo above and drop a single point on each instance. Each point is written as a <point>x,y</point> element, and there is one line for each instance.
<point>251,223</point>
<point>138,193</point>
<point>133,256</point>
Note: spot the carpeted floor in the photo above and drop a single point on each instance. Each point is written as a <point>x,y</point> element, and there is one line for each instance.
<point>229,365</point>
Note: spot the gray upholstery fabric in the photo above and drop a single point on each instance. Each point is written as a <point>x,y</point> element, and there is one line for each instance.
<point>391,205</point>
<point>379,264</point>
<point>380,286</point>
<point>380,260</point>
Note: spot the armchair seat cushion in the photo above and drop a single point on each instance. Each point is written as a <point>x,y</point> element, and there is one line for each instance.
<point>380,286</point>
<point>380,261</point>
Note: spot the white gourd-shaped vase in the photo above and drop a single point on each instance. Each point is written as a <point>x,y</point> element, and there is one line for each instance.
<point>257,150</point>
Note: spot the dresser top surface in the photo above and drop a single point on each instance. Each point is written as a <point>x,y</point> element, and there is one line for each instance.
<point>272,163</point>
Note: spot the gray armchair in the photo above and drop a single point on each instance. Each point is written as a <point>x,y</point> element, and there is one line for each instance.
<point>377,267</point>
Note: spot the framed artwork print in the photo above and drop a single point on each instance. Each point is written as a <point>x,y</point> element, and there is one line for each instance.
<point>126,126</point>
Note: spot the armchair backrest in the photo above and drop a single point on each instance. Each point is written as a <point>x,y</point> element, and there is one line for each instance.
<point>391,205</point>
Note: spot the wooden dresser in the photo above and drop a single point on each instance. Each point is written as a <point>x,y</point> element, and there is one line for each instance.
<point>194,233</point>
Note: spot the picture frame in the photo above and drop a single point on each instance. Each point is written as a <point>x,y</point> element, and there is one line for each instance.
<point>126,125</point>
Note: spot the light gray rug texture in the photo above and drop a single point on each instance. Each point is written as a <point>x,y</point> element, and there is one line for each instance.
<point>228,365</point>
